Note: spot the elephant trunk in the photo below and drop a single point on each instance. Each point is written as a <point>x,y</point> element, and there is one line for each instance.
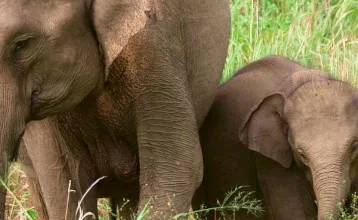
<point>331,185</point>
<point>13,115</point>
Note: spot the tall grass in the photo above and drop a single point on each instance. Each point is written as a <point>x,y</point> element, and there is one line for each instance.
<point>321,34</point>
<point>18,198</point>
<point>317,33</point>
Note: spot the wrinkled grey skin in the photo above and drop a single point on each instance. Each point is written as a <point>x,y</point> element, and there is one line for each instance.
<point>118,89</point>
<point>289,132</point>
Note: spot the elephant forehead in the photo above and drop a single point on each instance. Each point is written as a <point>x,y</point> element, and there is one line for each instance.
<point>11,17</point>
<point>322,123</point>
<point>55,16</point>
<point>322,134</point>
<point>23,15</point>
<point>323,110</point>
<point>331,100</point>
<point>330,117</point>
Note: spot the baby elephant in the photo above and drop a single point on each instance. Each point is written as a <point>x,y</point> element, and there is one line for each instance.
<point>289,132</point>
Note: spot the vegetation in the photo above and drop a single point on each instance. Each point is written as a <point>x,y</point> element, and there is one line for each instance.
<point>238,199</point>
<point>351,212</point>
<point>316,33</point>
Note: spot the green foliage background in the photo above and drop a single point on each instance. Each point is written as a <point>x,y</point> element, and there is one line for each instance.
<point>321,34</point>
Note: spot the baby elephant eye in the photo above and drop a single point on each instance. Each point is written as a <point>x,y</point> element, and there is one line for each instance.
<point>20,45</point>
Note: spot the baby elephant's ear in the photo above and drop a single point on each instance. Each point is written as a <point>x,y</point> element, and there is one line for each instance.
<point>264,130</point>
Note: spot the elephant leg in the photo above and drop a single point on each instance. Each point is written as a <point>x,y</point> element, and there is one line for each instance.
<point>286,191</point>
<point>167,134</point>
<point>84,182</point>
<point>36,193</point>
<point>170,157</point>
<point>48,169</point>
<point>169,151</point>
<point>170,172</point>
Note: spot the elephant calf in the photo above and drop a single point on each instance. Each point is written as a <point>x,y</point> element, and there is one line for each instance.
<point>289,132</point>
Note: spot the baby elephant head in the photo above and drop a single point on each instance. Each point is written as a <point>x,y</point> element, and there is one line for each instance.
<point>317,127</point>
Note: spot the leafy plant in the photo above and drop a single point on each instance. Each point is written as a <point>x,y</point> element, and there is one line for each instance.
<point>236,200</point>
<point>320,34</point>
<point>349,212</point>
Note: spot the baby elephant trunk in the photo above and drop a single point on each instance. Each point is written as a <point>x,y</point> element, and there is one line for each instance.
<point>331,185</point>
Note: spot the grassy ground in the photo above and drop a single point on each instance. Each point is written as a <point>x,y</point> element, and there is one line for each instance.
<point>317,33</point>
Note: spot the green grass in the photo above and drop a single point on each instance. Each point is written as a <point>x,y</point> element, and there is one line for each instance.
<point>238,199</point>
<point>316,33</point>
<point>350,213</point>
<point>319,34</point>
<point>18,198</point>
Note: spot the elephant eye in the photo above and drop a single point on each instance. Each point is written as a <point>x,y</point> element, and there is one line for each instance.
<point>21,45</point>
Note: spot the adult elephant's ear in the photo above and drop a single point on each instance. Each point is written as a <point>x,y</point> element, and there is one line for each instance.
<point>115,22</point>
<point>264,130</point>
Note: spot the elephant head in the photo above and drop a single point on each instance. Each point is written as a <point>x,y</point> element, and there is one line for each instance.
<point>315,126</point>
<point>54,54</point>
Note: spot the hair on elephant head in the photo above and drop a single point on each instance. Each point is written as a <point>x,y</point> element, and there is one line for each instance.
<point>315,126</point>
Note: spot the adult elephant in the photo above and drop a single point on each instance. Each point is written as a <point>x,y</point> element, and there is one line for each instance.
<point>122,87</point>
